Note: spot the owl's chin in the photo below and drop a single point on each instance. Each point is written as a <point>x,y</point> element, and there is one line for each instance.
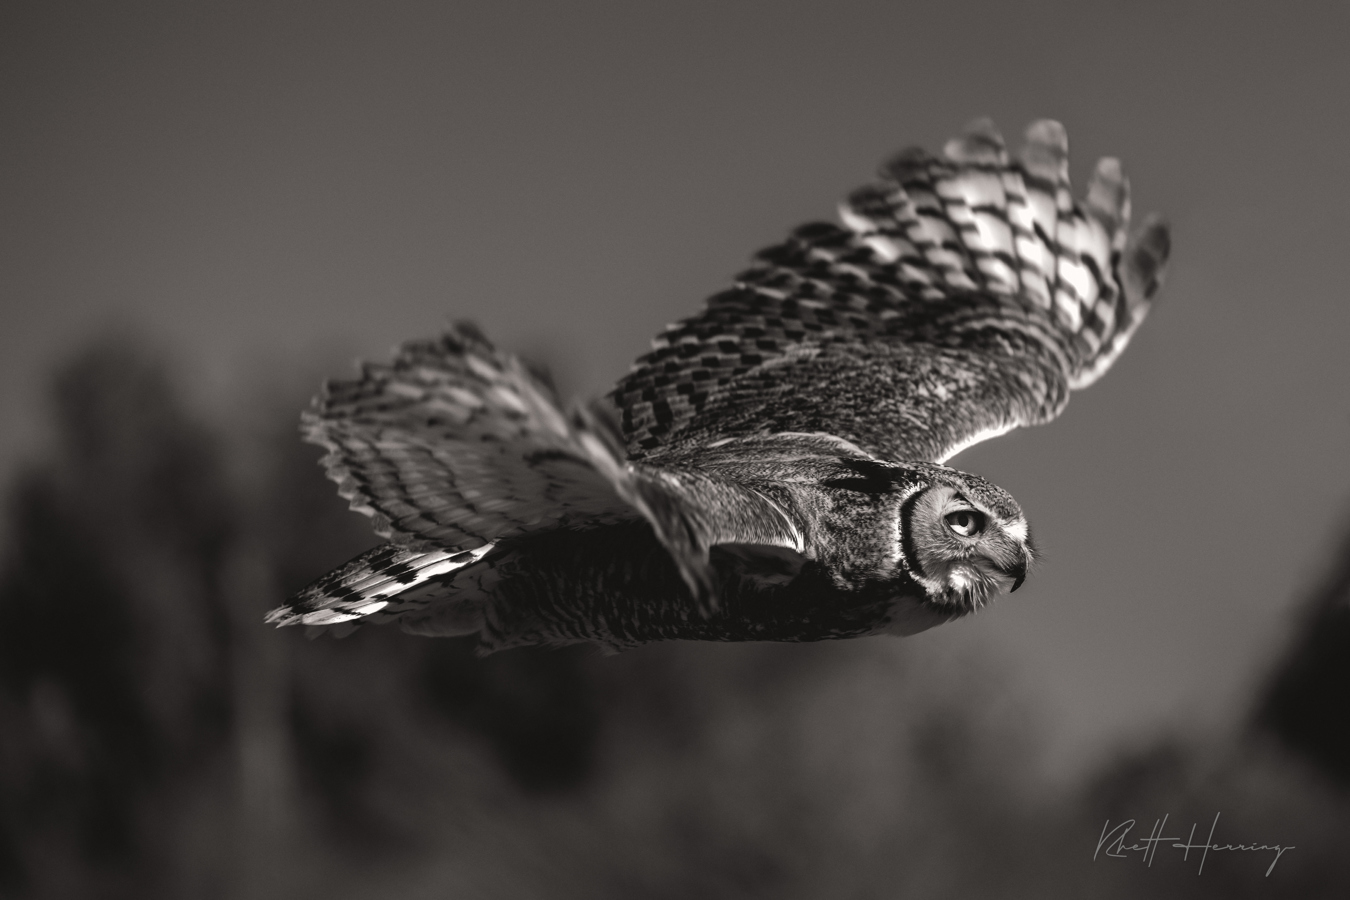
<point>965,587</point>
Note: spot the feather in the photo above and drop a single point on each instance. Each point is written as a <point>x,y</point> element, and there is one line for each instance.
<point>771,469</point>
<point>966,296</point>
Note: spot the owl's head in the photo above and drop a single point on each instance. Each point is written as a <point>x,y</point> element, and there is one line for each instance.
<point>964,540</point>
<point>959,538</point>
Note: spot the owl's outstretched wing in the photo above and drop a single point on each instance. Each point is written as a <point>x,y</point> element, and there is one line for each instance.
<point>966,296</point>
<point>455,447</point>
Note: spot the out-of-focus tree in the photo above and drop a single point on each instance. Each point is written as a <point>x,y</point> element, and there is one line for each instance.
<point>157,739</point>
<point>1308,703</point>
<point>155,736</point>
<point>112,633</point>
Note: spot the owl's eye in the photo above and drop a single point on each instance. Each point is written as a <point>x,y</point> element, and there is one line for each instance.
<point>965,522</point>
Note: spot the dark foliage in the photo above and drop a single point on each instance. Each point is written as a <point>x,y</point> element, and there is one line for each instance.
<point>536,707</point>
<point>1308,703</point>
<point>132,497</point>
<point>157,740</point>
<point>119,655</point>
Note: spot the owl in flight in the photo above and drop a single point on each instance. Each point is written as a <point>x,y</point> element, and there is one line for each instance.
<point>773,468</point>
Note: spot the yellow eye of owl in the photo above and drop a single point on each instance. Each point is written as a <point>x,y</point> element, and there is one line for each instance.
<point>965,522</point>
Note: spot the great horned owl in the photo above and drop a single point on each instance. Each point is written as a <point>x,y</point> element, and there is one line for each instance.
<point>772,469</point>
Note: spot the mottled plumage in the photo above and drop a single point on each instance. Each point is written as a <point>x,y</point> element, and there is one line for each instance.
<point>774,472</point>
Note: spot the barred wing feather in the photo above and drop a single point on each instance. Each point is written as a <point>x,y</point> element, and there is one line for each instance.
<point>451,448</point>
<point>965,296</point>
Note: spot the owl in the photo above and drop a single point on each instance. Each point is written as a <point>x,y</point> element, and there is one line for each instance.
<point>773,468</point>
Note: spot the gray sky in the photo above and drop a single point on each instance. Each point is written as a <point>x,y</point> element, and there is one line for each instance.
<point>257,185</point>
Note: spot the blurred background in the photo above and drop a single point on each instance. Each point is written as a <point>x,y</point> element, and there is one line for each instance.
<point>206,208</point>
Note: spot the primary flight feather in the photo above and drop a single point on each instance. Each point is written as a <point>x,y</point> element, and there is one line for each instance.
<point>772,469</point>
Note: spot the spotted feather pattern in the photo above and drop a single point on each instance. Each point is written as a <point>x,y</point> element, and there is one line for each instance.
<point>769,448</point>
<point>454,444</point>
<point>966,295</point>
<point>450,448</point>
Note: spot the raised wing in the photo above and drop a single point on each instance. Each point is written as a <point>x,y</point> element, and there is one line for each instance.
<point>966,296</point>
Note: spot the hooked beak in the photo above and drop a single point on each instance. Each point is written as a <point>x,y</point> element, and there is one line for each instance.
<point>1020,571</point>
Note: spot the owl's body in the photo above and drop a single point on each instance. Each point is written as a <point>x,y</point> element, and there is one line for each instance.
<point>774,472</point>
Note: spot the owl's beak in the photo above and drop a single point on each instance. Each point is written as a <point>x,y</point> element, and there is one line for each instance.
<point>1019,570</point>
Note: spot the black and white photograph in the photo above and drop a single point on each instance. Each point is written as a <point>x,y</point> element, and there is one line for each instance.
<point>869,450</point>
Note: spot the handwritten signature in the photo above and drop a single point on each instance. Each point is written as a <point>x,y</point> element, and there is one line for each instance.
<point>1113,841</point>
